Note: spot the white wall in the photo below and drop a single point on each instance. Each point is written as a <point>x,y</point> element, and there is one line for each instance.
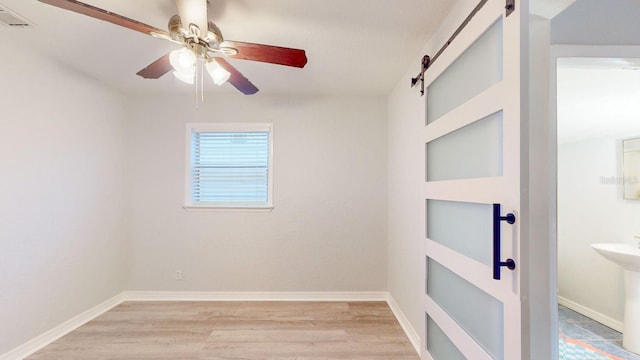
<point>406,203</point>
<point>541,310</point>
<point>327,231</point>
<point>591,211</point>
<point>62,186</point>
<point>598,22</point>
<point>406,162</point>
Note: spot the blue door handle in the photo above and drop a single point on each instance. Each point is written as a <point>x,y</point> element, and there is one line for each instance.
<point>497,262</point>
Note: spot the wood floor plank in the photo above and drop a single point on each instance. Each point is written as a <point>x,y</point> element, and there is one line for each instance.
<point>237,330</point>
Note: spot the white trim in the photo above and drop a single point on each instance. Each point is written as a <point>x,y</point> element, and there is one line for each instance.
<point>255,296</point>
<point>479,107</point>
<point>61,330</point>
<point>411,333</point>
<point>602,51</point>
<point>592,314</point>
<point>228,208</point>
<point>466,190</point>
<point>190,128</point>
<point>228,127</point>
<point>555,52</point>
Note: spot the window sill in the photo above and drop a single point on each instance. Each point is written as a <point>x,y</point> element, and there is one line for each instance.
<point>266,208</point>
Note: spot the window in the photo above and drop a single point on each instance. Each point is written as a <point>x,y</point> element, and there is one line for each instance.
<point>229,166</point>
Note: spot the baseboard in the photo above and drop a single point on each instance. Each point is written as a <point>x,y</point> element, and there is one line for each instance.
<point>61,330</point>
<point>592,314</point>
<point>54,334</point>
<point>411,333</point>
<point>254,296</point>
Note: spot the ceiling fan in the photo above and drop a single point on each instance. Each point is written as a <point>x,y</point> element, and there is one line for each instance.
<point>203,47</point>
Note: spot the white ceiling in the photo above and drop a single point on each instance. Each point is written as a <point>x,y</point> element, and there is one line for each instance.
<point>354,46</point>
<point>598,97</point>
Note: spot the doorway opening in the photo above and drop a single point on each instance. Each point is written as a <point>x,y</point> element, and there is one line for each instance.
<point>596,101</point>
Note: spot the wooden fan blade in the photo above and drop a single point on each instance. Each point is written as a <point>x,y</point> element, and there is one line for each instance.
<point>238,80</point>
<point>100,14</point>
<point>267,53</point>
<point>157,69</point>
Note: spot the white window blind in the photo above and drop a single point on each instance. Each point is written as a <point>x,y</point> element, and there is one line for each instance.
<point>230,168</point>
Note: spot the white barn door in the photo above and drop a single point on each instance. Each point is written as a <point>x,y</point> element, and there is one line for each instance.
<point>473,163</point>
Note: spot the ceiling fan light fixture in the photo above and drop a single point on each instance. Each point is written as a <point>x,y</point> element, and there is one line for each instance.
<point>217,72</point>
<point>184,63</point>
<point>203,41</point>
<point>183,60</point>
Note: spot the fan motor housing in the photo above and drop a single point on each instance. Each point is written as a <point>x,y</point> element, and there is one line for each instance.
<point>179,33</point>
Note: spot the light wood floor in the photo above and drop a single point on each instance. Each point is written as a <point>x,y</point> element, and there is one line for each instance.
<point>237,330</point>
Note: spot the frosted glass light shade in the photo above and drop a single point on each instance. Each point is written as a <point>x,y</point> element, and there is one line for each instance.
<point>217,72</point>
<point>183,60</point>
<point>188,78</point>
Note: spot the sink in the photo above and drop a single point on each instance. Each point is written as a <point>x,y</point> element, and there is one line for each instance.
<point>628,257</point>
<point>625,255</point>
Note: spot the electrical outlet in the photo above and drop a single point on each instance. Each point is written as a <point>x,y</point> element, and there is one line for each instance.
<point>178,275</point>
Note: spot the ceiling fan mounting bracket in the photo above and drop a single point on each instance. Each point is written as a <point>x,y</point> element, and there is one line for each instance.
<point>206,47</point>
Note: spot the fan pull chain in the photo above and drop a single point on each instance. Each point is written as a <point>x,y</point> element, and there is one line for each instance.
<point>201,76</point>
<point>199,82</point>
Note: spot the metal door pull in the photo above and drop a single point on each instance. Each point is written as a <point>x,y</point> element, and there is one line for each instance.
<point>497,263</point>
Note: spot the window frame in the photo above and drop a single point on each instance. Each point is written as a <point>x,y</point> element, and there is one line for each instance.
<point>222,128</point>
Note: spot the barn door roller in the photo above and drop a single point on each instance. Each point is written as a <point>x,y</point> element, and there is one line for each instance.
<point>510,6</point>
